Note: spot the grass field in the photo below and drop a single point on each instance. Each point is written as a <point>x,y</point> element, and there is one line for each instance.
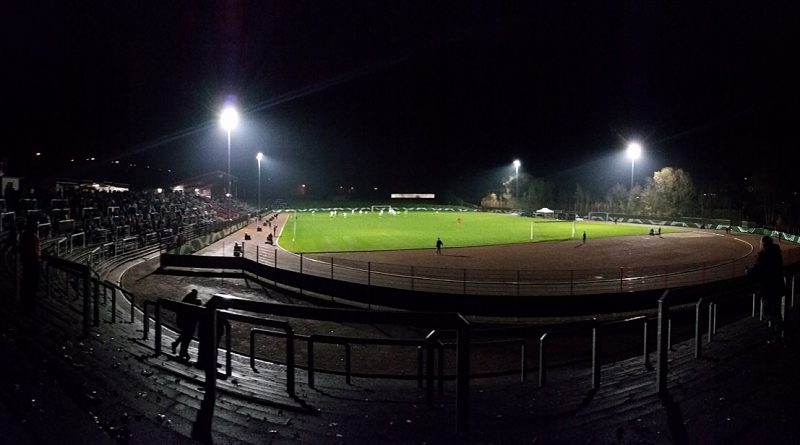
<point>319,232</point>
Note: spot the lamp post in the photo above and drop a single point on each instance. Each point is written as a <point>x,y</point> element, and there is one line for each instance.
<point>259,156</point>
<point>516,177</point>
<point>634,151</point>
<point>228,119</point>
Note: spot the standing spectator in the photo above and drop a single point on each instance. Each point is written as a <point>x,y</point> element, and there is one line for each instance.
<point>584,237</point>
<point>187,323</point>
<point>439,245</point>
<point>29,254</point>
<point>768,273</point>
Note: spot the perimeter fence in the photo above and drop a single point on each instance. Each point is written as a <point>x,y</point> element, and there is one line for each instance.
<point>519,282</point>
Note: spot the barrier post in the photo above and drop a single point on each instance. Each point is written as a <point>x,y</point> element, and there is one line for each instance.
<point>429,371</point>
<point>663,348</point>
<point>595,357</point>
<point>462,378</point>
<point>523,375</point>
<point>113,305</point>
<point>96,301</point>
<point>572,282</point>
<point>310,352</point>
<point>86,303</point>
<point>646,347</point>
<point>698,307</point>
<point>158,329</point>
<point>542,363</point>
<point>348,355</point>
<point>290,361</point>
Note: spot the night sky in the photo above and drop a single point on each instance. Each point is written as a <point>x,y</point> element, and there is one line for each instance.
<point>404,96</point>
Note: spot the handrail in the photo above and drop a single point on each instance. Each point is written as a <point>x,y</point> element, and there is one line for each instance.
<point>347,342</point>
<point>290,363</point>
<point>202,428</point>
<point>81,272</point>
<point>569,327</point>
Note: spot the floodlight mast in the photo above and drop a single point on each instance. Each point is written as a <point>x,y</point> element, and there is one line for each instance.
<point>259,157</point>
<point>634,151</point>
<point>517,163</point>
<point>228,120</point>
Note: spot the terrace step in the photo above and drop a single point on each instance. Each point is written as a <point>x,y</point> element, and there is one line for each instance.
<point>116,376</point>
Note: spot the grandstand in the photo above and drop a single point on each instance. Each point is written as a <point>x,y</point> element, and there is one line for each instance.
<point>584,383</point>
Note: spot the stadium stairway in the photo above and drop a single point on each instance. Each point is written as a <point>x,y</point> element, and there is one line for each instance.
<point>58,387</point>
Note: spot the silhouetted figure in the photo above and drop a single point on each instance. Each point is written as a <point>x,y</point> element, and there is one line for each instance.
<point>652,232</point>
<point>584,237</point>
<point>237,250</point>
<point>439,245</point>
<point>30,255</point>
<point>768,273</point>
<point>187,323</point>
<point>659,231</point>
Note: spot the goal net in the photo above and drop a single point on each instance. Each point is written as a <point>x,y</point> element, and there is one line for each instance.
<point>385,208</point>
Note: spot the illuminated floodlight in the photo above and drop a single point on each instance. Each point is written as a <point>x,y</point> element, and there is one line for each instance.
<point>229,118</point>
<point>259,157</point>
<point>159,190</point>
<point>634,150</point>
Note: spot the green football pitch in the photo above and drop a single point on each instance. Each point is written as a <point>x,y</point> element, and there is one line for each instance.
<point>319,232</point>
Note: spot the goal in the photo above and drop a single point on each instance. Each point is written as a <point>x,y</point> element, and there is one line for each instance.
<point>381,207</point>
<point>598,216</point>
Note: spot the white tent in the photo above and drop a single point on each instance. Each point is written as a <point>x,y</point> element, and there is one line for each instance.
<point>544,211</point>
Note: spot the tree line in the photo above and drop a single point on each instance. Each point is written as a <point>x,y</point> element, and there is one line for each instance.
<point>669,192</point>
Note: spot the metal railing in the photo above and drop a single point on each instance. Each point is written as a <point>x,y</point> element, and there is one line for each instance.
<point>670,303</point>
<point>492,282</point>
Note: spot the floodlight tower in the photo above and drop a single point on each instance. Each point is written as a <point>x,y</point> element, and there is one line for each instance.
<point>634,151</point>
<point>259,157</point>
<point>517,163</point>
<point>228,120</point>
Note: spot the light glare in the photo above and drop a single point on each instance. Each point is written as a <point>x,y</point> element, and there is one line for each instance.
<point>634,150</point>
<point>229,118</point>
